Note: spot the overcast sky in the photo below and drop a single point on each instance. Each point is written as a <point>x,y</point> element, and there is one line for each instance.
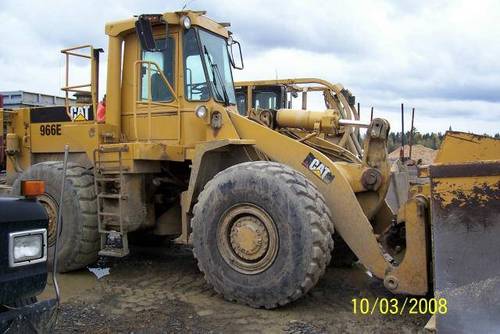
<point>441,57</point>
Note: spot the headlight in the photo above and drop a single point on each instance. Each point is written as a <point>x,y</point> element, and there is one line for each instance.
<point>27,247</point>
<point>201,111</point>
<point>186,22</point>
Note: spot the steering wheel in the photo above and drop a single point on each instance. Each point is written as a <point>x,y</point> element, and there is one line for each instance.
<point>198,88</point>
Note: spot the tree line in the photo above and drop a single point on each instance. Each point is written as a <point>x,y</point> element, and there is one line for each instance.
<point>432,140</point>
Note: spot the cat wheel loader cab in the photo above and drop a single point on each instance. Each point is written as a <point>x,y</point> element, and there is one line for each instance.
<point>261,99</point>
<point>169,83</point>
<point>258,200</point>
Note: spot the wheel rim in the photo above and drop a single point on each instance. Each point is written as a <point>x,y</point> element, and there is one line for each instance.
<point>51,208</point>
<point>247,239</point>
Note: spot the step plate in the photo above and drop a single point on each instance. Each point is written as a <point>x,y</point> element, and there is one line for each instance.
<point>113,252</point>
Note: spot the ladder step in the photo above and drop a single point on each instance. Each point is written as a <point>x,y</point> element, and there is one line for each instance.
<point>113,229</point>
<point>110,172</point>
<point>107,179</point>
<point>100,162</point>
<point>111,196</point>
<point>111,169</point>
<point>114,252</point>
<point>108,214</point>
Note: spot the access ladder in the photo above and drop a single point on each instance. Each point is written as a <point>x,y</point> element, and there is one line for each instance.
<point>109,180</point>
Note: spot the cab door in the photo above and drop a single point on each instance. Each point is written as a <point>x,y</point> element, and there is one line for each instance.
<point>154,112</point>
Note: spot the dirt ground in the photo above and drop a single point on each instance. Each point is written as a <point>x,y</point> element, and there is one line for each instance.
<point>427,155</point>
<point>160,290</point>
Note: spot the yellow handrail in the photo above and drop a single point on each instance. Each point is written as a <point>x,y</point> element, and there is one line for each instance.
<point>93,77</point>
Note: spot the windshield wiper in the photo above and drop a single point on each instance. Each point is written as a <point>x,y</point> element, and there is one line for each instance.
<point>216,73</point>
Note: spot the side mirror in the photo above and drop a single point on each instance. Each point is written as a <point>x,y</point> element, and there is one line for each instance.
<point>144,29</point>
<point>231,45</point>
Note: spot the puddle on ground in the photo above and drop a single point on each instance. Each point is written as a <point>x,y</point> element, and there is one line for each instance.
<point>70,284</point>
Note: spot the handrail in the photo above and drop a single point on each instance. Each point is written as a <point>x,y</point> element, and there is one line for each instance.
<point>93,76</point>
<point>137,67</point>
<point>76,86</point>
<point>76,48</point>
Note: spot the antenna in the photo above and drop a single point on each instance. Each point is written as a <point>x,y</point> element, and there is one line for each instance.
<point>402,151</point>
<point>359,117</point>
<point>371,115</point>
<point>411,129</point>
<point>186,3</point>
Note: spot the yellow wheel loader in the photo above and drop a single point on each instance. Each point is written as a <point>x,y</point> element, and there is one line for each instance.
<point>258,201</point>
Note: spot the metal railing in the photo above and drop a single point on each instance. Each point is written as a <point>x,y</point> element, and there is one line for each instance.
<point>91,87</point>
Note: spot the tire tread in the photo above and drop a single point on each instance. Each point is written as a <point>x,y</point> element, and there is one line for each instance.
<point>321,226</point>
<point>86,235</point>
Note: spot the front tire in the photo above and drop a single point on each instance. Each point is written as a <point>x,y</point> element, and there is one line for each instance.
<point>79,239</point>
<point>261,234</point>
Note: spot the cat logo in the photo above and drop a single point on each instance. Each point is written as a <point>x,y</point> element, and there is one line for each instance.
<point>318,168</point>
<point>79,113</point>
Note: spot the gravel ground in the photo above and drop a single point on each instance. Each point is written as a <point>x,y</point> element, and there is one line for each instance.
<point>160,290</point>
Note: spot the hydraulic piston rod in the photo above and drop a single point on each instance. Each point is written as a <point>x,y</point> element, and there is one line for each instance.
<point>324,121</point>
<point>352,122</point>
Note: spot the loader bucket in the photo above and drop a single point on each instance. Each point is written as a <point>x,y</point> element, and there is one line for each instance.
<point>465,215</point>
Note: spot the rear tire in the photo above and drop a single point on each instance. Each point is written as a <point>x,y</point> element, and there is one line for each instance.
<point>79,240</point>
<point>24,302</point>
<point>261,234</point>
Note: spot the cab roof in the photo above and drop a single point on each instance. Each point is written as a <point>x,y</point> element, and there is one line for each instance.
<point>198,18</point>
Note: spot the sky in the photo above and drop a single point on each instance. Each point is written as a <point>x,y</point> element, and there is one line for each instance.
<point>440,57</point>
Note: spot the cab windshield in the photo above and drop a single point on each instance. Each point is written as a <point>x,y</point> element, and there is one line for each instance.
<point>207,67</point>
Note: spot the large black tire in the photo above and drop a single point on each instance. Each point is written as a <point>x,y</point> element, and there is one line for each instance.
<point>4,326</point>
<point>79,239</point>
<point>302,221</point>
<point>24,302</point>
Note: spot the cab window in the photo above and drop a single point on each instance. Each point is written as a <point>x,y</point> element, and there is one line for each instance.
<point>265,100</point>
<point>165,61</point>
<point>195,87</point>
<point>241,102</point>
